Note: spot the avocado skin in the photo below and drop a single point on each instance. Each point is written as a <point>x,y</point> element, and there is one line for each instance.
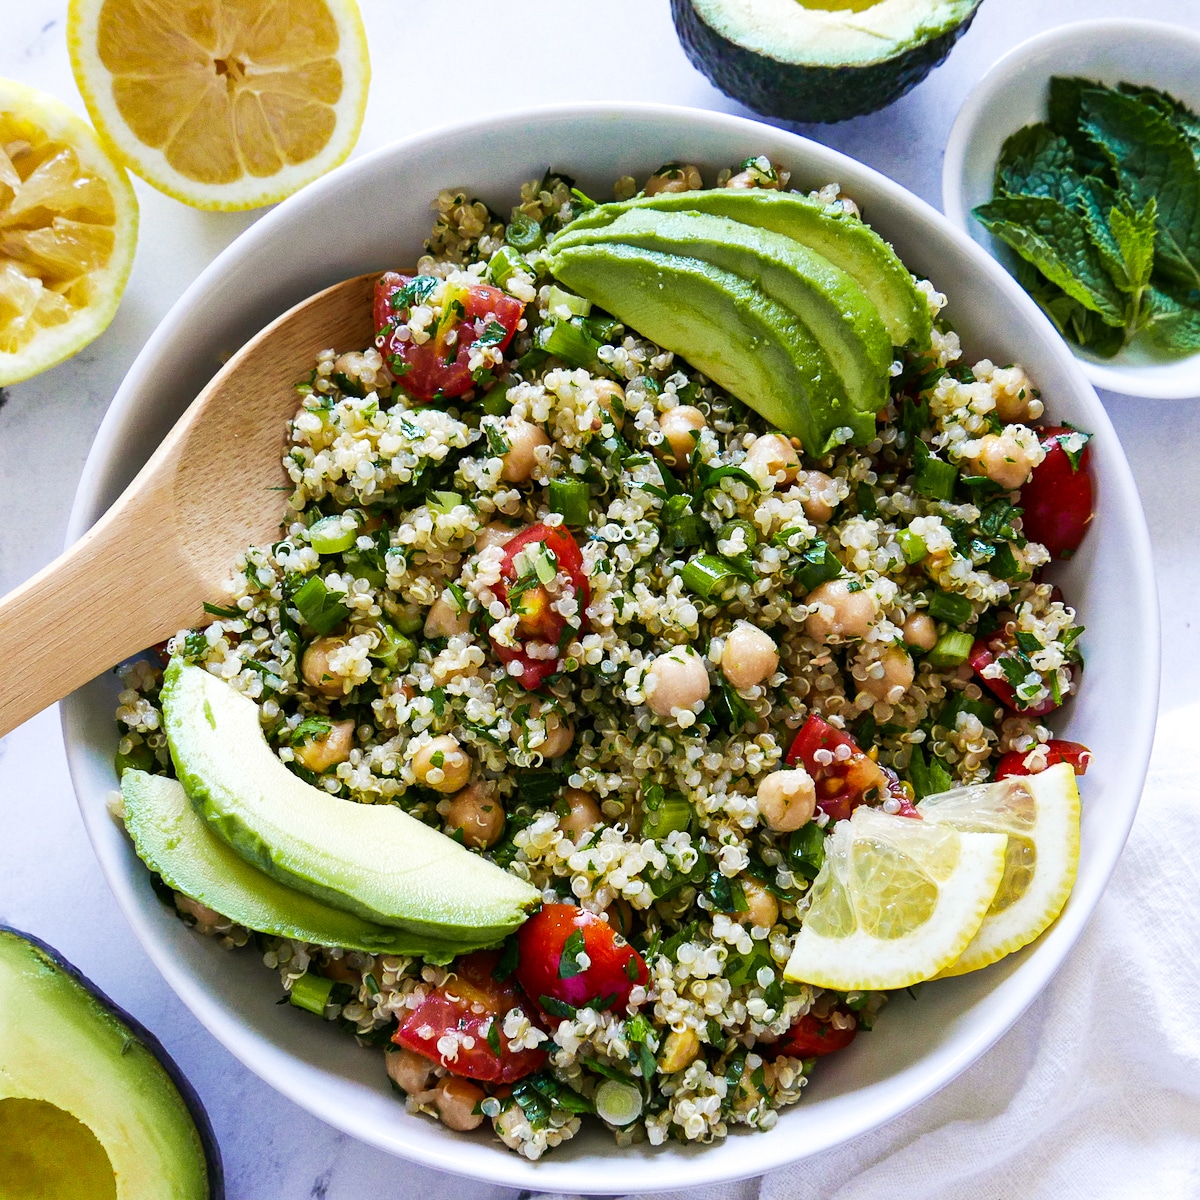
<point>172,839</point>
<point>802,91</point>
<point>109,1017</point>
<point>736,335</point>
<point>825,299</point>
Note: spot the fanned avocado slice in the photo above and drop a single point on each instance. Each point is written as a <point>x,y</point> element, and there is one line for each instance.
<point>826,299</point>
<point>726,327</point>
<point>173,840</point>
<point>370,859</point>
<point>844,239</point>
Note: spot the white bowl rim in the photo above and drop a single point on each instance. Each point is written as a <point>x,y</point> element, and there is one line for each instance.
<point>690,1166</point>
<point>1113,377</point>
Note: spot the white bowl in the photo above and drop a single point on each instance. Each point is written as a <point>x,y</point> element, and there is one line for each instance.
<point>1014,94</point>
<point>373,214</point>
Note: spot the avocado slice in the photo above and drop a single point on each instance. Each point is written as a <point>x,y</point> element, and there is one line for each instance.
<point>91,1106</point>
<point>844,239</point>
<point>827,300</point>
<point>370,859</point>
<point>819,60</point>
<point>174,841</point>
<point>724,326</point>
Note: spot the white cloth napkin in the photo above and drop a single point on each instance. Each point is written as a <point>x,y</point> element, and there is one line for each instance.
<point>1096,1091</point>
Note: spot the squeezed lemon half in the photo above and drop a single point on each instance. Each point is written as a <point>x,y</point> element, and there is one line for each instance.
<point>223,104</point>
<point>68,230</point>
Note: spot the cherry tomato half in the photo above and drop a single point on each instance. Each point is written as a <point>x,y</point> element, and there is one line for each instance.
<point>983,654</point>
<point>538,622</point>
<point>1058,500</point>
<point>472,1003</point>
<point>844,775</point>
<point>811,1037</point>
<point>440,368</point>
<point>553,947</point>
<point>1078,755</point>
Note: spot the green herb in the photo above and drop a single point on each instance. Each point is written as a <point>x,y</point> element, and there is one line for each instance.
<point>928,777</point>
<point>493,1037</point>
<point>806,850</point>
<point>309,729</point>
<point>569,342</point>
<point>416,291</point>
<point>569,497</point>
<point>932,477</point>
<point>556,1007</point>
<point>216,610</point>
<point>320,609</point>
<point>818,564</point>
<point>568,963</point>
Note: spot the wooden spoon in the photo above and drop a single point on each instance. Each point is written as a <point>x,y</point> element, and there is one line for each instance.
<point>213,488</point>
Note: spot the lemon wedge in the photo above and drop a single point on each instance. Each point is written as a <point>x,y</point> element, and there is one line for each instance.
<point>1040,815</point>
<point>68,230</point>
<point>223,104</point>
<point>895,902</point>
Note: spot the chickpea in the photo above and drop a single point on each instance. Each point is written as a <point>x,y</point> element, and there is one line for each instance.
<point>749,657</point>
<point>821,498</point>
<point>477,811</point>
<point>315,668</point>
<point>339,971</point>
<point>206,918</point>
<point>524,438</point>
<point>458,1101</point>
<point>560,731</point>
<point>674,177</point>
<point>680,1048</point>
<point>889,677</point>
<point>920,631</point>
<point>787,799</point>
<point>619,915</point>
<point>1016,400</point>
<point>676,680</point>
<point>681,428</point>
<point>328,750</point>
<point>445,619</point>
<point>611,398</point>
<point>775,456</point>
<point>494,534</point>
<point>584,813</point>
<point>442,764</point>
<point>842,614</point>
<point>409,1071</point>
<point>761,906</point>
<point>1002,459</point>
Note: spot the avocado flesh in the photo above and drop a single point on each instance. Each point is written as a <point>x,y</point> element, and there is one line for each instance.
<point>370,859</point>
<point>82,1087</point>
<point>827,300</point>
<point>174,841</point>
<point>844,239</point>
<point>725,327</point>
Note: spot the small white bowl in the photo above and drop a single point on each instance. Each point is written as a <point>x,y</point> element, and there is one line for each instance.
<point>372,215</point>
<point>1014,93</point>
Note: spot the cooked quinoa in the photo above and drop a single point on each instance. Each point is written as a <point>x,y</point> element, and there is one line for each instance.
<point>403,652</point>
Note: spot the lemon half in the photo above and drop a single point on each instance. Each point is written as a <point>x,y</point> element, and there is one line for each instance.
<point>68,231</point>
<point>223,104</point>
<point>895,902</point>
<point>1040,815</point>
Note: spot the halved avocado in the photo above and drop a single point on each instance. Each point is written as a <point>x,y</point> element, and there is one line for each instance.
<point>829,303</point>
<point>173,840</point>
<point>724,326</point>
<point>91,1105</point>
<point>819,60</point>
<point>844,239</point>
<point>370,859</point>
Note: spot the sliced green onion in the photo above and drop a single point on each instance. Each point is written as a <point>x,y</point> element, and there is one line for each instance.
<point>953,649</point>
<point>443,502</point>
<point>321,609</point>
<point>543,562</point>
<point>567,341</point>
<point>912,546</point>
<point>524,233</point>
<point>664,814</point>
<point>945,606</point>
<point>503,263</point>
<point>569,497</point>
<point>576,306</point>
<point>618,1103</point>
<point>496,403</point>
<point>311,992</point>
<point>394,649</point>
<point>747,527</point>
<point>410,622</point>
<point>710,576</point>
<point>329,535</point>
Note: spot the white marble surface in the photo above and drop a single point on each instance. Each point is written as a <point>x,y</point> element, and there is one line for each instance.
<point>435,64</point>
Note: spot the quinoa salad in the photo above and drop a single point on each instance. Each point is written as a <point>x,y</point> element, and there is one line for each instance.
<point>553,592</point>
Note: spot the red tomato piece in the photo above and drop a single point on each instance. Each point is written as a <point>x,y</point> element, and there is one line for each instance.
<point>983,654</point>
<point>440,368</point>
<point>844,775</point>
<point>811,1037</point>
<point>538,622</point>
<point>472,1004</point>
<point>550,968</point>
<point>1075,753</point>
<point>1058,501</point>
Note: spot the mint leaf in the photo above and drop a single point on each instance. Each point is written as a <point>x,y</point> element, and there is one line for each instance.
<point>1182,117</point>
<point>1171,324</point>
<point>1134,233</point>
<point>1152,160</point>
<point>1055,239</point>
<point>1030,154</point>
<point>1065,113</point>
